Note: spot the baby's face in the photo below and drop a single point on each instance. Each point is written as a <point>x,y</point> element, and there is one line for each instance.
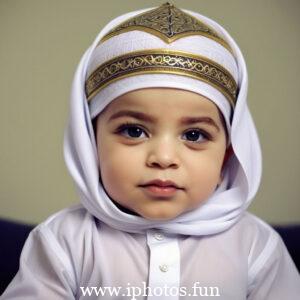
<point>160,134</point>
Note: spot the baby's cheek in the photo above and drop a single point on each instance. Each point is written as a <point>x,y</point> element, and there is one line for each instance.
<point>112,181</point>
<point>117,171</point>
<point>203,180</point>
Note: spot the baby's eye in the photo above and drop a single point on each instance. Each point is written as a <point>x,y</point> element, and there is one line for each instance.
<point>131,131</point>
<point>196,136</point>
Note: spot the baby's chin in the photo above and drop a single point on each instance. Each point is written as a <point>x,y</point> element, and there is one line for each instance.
<point>161,215</point>
<point>150,214</point>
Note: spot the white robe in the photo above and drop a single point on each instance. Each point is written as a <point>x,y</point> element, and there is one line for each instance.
<point>73,249</point>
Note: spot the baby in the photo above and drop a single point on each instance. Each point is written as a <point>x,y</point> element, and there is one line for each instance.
<point>166,159</point>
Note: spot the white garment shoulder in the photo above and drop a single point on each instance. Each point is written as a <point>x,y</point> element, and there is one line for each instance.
<point>261,240</point>
<point>271,270</point>
<point>64,233</point>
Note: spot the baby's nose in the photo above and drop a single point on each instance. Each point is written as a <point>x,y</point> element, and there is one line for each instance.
<point>163,154</point>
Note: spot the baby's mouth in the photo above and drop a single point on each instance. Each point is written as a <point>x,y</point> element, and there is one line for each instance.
<point>160,192</point>
<point>160,188</point>
<point>161,183</point>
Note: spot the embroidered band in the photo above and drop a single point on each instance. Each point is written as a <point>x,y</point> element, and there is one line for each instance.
<point>162,61</point>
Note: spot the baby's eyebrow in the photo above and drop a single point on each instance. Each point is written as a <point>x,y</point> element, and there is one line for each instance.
<point>134,114</point>
<point>144,117</point>
<point>193,120</point>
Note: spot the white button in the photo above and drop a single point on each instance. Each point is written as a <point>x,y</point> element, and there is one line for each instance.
<point>164,268</point>
<point>159,236</point>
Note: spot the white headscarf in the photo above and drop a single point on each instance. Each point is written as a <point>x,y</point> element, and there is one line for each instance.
<point>243,170</point>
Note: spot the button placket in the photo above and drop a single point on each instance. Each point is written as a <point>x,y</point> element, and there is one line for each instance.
<point>164,267</point>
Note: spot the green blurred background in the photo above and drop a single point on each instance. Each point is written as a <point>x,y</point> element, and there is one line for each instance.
<point>41,44</point>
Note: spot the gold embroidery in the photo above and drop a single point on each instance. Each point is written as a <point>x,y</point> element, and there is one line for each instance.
<point>162,61</point>
<point>168,23</point>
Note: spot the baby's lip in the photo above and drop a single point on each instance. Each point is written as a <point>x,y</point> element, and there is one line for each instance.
<point>162,183</point>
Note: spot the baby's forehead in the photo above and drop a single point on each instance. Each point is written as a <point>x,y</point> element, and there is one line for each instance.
<point>168,99</point>
<point>161,106</point>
